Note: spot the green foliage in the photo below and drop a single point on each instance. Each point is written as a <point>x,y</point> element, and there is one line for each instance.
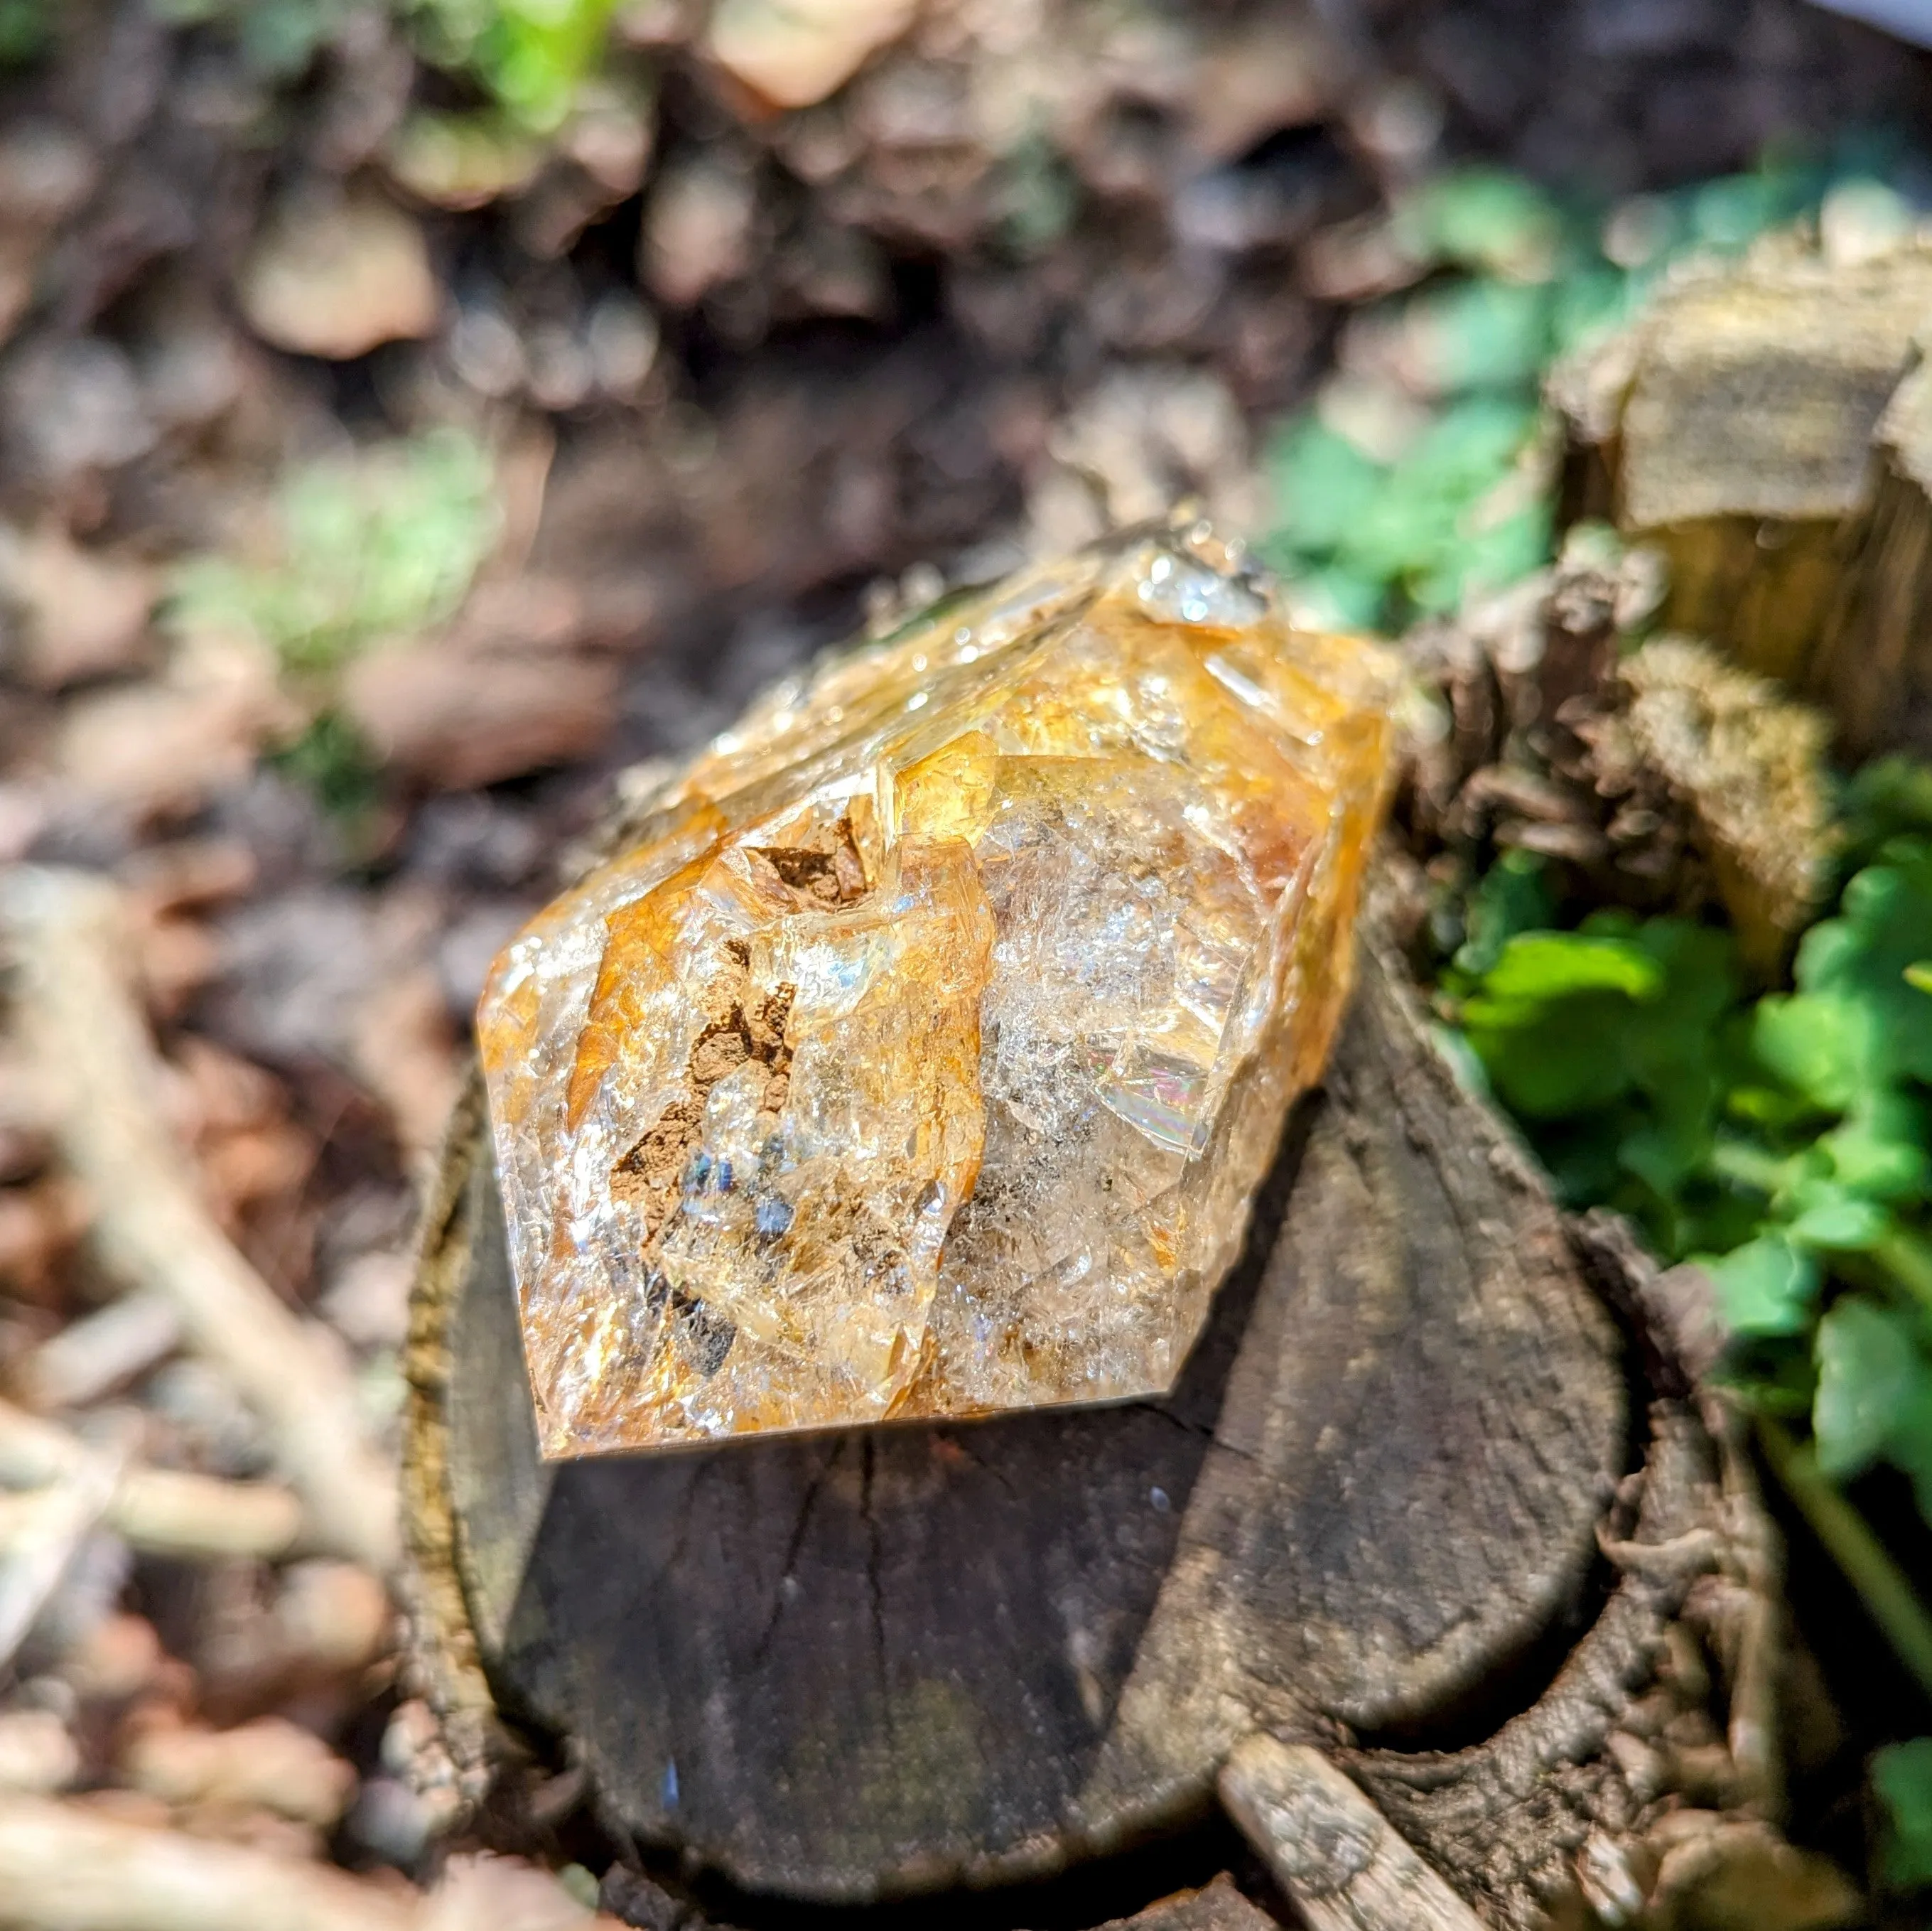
<point>1768,1287</point>
<point>531,56</point>
<point>1790,1138</point>
<point>1513,896</point>
<point>331,760</point>
<point>1901,1776</point>
<point>1874,1398</point>
<point>1613,1044</point>
<point>1786,1142</point>
<point>370,548</point>
<point>1425,531</point>
<point>1885,799</point>
<point>26,31</point>
<point>378,545</point>
<point>1484,219</point>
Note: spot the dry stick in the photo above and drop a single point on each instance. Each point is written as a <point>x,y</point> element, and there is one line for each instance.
<point>151,1226</point>
<point>1342,1862</point>
<point>99,1353</point>
<point>162,1511</point>
<point>41,1548</point>
<point>64,1867</point>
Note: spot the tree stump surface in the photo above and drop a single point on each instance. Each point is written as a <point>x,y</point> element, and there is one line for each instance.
<point>851,1666</point>
<point>1767,425</point>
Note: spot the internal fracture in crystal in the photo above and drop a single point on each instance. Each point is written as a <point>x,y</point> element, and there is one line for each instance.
<point>920,1051</point>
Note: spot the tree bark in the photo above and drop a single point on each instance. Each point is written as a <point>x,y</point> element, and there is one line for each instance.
<point>871,1663</point>
<point>1769,428</point>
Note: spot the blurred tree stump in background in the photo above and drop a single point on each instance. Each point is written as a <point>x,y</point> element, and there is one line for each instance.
<point>1768,427</point>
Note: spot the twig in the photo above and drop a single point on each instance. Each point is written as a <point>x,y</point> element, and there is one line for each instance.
<point>161,1511</point>
<point>270,1762</point>
<point>99,1353</point>
<point>1342,1864</point>
<point>64,1867</point>
<point>151,1227</point>
<point>1881,1585</point>
<point>40,1547</point>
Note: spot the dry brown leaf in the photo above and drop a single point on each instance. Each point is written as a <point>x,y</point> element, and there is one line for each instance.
<point>84,612</point>
<point>441,716</point>
<point>794,53</point>
<point>338,279</point>
<point>269,1763</point>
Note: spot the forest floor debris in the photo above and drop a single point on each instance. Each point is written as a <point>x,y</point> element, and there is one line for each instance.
<point>410,417</point>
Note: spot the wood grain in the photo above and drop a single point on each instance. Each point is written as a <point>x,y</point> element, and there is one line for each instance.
<point>868,1663</point>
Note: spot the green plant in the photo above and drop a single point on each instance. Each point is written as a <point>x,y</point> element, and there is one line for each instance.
<point>1784,1142</point>
<point>372,548</point>
<point>530,56</point>
<point>333,762</point>
<point>1414,536</point>
<point>1901,1777</point>
<point>375,545</point>
<point>26,31</point>
<point>1614,1047</point>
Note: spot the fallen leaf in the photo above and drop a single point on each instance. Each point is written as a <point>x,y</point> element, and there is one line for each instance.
<point>84,612</point>
<point>795,52</point>
<point>337,279</point>
<point>453,719</point>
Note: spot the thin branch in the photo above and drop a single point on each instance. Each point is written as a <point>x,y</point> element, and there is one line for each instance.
<point>1345,1866</point>
<point>42,1542</point>
<point>64,1867</point>
<point>151,1227</point>
<point>160,1511</point>
<point>101,1352</point>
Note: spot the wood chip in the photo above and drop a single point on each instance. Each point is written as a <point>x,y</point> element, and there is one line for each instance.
<point>337,280</point>
<point>152,1228</point>
<point>164,1511</point>
<point>1342,1862</point>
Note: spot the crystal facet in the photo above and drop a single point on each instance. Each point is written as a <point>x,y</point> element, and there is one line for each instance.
<point>921,1051</point>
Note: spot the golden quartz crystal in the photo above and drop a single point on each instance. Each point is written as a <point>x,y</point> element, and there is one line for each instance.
<point>920,1053</point>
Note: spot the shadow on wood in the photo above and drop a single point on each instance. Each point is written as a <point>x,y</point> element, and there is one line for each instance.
<point>849,1666</point>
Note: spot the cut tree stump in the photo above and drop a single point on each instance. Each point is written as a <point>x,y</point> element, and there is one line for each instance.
<point>845,1667</point>
<point>1768,426</point>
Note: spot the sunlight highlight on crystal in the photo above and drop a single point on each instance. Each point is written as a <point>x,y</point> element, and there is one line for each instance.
<point>921,1052</point>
